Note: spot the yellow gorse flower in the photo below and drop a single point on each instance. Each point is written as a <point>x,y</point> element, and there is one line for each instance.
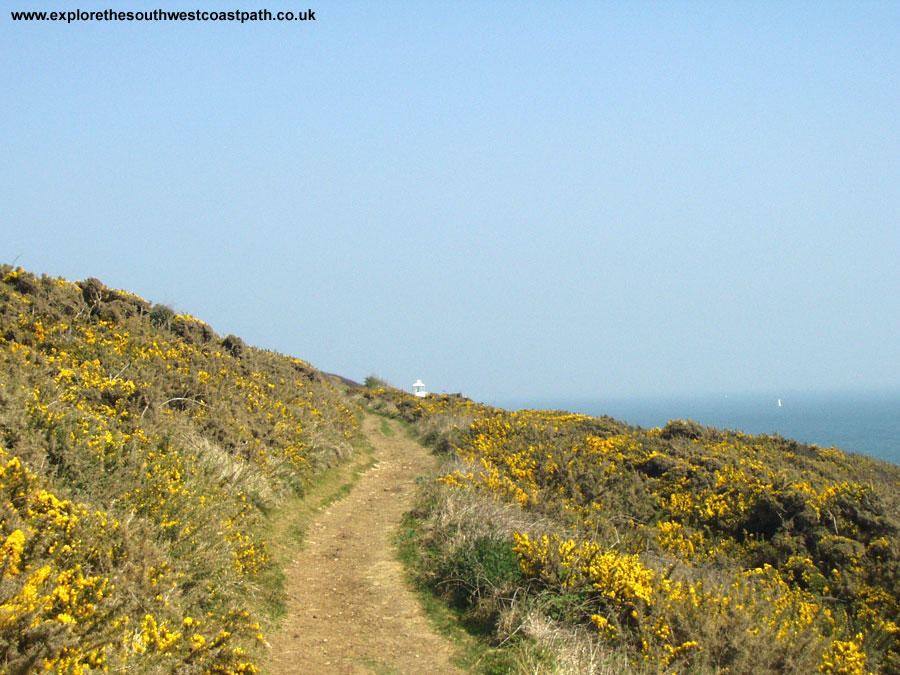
<point>181,438</point>
<point>632,522</point>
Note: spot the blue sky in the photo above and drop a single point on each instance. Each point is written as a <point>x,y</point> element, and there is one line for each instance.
<point>512,200</point>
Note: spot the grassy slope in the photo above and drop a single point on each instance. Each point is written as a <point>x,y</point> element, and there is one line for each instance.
<point>143,457</point>
<point>140,455</point>
<point>684,548</point>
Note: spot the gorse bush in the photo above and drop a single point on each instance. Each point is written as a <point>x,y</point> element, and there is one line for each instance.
<point>139,453</point>
<point>689,548</point>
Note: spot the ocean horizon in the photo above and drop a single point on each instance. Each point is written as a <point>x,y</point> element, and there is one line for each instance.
<point>859,422</point>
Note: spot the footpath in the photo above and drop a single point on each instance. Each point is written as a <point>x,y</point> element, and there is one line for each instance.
<point>349,607</point>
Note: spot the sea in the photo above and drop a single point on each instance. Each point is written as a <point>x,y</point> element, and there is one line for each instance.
<point>859,422</point>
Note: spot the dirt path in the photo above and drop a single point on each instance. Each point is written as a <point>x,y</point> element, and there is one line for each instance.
<point>349,609</point>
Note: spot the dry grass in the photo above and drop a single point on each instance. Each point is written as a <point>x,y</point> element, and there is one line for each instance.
<point>552,648</point>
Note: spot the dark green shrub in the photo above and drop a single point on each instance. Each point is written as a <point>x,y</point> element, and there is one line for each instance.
<point>234,345</point>
<point>682,429</point>
<point>161,316</point>
<point>480,568</point>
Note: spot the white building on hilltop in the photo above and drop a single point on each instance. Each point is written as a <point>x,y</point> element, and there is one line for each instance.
<point>419,389</point>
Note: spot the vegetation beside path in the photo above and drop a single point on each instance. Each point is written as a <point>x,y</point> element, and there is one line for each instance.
<point>582,544</point>
<point>156,480</point>
<point>140,456</point>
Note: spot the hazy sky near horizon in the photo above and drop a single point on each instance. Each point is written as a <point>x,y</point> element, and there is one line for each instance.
<point>511,200</point>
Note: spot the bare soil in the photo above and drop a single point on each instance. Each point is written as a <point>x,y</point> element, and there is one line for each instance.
<point>349,606</point>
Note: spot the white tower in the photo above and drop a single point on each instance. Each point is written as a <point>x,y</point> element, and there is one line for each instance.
<point>419,389</point>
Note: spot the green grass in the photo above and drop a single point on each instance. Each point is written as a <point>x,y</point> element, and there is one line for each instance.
<point>474,651</point>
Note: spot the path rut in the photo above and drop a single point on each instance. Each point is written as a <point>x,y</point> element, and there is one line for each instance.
<point>349,607</point>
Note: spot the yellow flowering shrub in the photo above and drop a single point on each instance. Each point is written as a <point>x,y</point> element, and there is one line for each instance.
<point>139,453</point>
<point>675,542</point>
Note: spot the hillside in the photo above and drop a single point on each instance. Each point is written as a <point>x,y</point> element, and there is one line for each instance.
<point>143,459</point>
<point>587,545</point>
<point>139,455</point>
